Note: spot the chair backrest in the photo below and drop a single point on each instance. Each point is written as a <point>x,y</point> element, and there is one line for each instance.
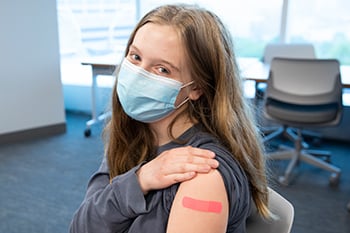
<point>284,212</point>
<point>304,91</point>
<point>273,50</point>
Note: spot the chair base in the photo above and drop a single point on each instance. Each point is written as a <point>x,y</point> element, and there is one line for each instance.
<point>300,152</point>
<point>303,155</point>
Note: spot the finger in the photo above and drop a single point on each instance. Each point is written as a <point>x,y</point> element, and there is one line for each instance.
<point>199,168</point>
<point>186,162</point>
<point>180,177</point>
<point>189,150</point>
<point>213,163</point>
<point>182,164</point>
<point>183,168</point>
<point>200,152</point>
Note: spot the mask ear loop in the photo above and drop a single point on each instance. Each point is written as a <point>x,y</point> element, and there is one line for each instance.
<point>187,98</point>
<point>187,84</point>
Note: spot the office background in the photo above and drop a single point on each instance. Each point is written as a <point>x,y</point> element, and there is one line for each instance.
<point>43,179</point>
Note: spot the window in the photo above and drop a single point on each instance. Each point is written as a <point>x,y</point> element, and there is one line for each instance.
<point>252,23</point>
<point>93,28</point>
<point>96,29</point>
<point>99,29</point>
<point>328,27</point>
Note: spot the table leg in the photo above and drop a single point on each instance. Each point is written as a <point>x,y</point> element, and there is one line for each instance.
<point>93,120</point>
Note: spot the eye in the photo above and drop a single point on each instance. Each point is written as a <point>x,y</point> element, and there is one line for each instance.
<point>135,57</point>
<point>163,70</point>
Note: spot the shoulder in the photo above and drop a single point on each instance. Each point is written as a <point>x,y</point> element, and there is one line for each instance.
<point>231,173</point>
<point>233,176</point>
<point>228,163</point>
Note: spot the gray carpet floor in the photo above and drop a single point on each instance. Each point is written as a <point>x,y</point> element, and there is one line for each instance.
<point>43,181</point>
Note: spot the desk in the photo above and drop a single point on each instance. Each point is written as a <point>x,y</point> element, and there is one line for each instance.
<point>98,68</point>
<point>254,69</point>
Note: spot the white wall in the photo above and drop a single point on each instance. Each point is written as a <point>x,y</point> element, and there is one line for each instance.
<point>31,93</point>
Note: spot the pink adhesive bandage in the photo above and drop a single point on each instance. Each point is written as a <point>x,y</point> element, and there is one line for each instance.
<point>201,205</point>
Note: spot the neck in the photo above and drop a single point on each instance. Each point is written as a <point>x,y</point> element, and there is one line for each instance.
<point>160,128</point>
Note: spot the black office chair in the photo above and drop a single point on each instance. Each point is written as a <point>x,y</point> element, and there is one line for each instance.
<point>303,93</point>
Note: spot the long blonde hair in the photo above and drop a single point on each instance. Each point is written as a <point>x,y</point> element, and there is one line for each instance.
<point>222,108</point>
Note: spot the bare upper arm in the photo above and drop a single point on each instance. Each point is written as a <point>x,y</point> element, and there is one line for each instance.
<point>200,205</point>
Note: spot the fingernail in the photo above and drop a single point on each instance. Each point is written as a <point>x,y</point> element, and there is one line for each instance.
<point>214,163</point>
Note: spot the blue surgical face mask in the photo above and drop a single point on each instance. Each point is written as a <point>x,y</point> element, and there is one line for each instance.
<point>144,96</point>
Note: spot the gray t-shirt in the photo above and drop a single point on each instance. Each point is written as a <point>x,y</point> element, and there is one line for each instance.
<point>120,206</point>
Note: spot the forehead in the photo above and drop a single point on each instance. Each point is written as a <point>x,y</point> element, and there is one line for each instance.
<point>159,41</point>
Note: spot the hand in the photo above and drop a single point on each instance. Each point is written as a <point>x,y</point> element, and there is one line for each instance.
<point>175,165</point>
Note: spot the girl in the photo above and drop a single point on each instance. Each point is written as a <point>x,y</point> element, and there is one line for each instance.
<point>177,104</point>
